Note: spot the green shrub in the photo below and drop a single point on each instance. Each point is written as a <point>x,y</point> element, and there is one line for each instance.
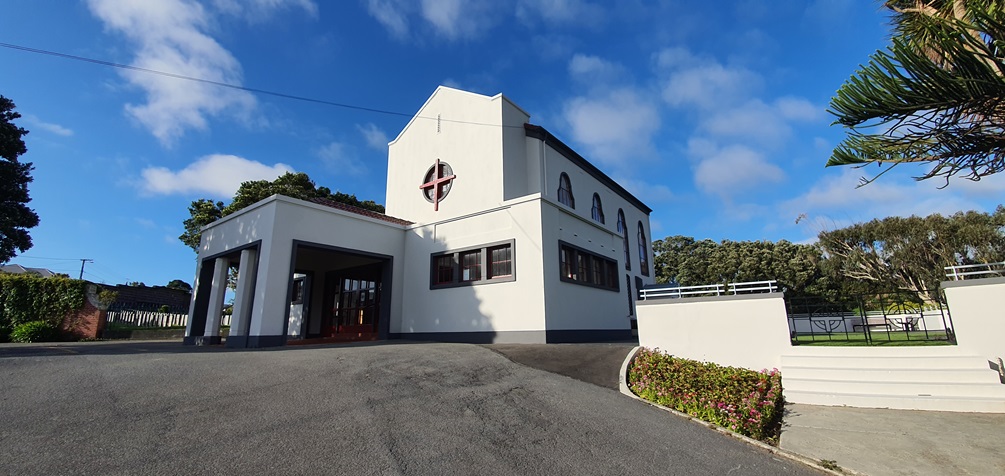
<point>26,298</point>
<point>747,402</point>
<point>35,331</point>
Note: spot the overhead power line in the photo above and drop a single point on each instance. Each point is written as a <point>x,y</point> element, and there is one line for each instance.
<point>236,86</point>
<point>53,259</point>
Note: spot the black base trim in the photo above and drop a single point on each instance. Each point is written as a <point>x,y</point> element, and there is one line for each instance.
<point>266,341</point>
<point>589,335</point>
<point>254,342</point>
<point>202,340</point>
<point>522,337</point>
<point>484,337</point>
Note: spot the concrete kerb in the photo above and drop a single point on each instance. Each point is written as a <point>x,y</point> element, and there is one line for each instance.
<point>623,387</point>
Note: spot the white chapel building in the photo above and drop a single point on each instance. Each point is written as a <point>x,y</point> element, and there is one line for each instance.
<point>495,231</point>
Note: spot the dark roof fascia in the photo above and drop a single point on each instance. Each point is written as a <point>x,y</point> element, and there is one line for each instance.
<point>542,134</point>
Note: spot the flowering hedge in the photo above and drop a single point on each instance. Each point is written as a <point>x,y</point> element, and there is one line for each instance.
<point>747,402</point>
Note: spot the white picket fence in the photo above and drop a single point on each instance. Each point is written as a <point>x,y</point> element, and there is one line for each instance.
<point>153,319</point>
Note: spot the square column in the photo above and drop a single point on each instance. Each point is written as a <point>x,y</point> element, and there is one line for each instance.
<point>216,297</point>
<point>192,306</point>
<point>240,321</point>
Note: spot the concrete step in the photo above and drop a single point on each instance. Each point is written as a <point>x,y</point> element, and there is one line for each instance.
<point>903,388</point>
<point>960,374</point>
<point>898,402</point>
<point>859,361</point>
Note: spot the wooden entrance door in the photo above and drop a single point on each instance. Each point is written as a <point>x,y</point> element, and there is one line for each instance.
<point>353,304</point>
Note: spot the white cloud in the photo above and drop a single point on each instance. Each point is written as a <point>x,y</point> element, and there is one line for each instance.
<point>798,109</point>
<point>732,169</point>
<point>341,159</point>
<point>560,11</point>
<point>837,196</point>
<point>647,192</point>
<point>258,10</point>
<point>616,126</point>
<point>171,36</point>
<point>375,138</point>
<point>752,120</point>
<point>593,69</point>
<point>452,19</point>
<point>218,175</point>
<point>460,18</point>
<point>702,82</point>
<point>174,36</point>
<point>37,123</point>
<point>393,14</point>
<point>765,123</point>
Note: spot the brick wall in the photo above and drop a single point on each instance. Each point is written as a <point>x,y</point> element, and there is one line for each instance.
<point>86,323</point>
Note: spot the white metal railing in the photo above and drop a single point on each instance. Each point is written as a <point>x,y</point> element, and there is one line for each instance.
<point>961,272</point>
<point>667,291</point>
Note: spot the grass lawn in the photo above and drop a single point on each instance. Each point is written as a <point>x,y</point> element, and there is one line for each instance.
<point>879,338</point>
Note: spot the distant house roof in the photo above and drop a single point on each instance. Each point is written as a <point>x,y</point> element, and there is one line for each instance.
<point>360,211</point>
<point>18,269</point>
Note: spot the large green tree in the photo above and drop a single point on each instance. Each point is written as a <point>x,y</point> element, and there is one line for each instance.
<point>911,253</point>
<point>935,96</point>
<point>685,261</point>
<point>15,216</point>
<point>297,185</point>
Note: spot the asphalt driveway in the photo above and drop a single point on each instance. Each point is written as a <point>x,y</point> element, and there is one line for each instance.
<point>385,408</point>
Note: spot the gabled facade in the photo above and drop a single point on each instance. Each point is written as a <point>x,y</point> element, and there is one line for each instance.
<point>503,234</point>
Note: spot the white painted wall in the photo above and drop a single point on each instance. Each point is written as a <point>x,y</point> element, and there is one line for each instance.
<point>469,136</point>
<point>584,186</point>
<point>977,308</point>
<point>277,221</point>
<point>739,331</point>
<point>499,307</point>
<point>573,306</point>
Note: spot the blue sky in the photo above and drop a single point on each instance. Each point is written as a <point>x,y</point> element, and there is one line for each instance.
<point>713,113</point>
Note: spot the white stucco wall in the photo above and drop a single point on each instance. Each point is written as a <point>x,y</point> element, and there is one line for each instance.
<point>584,186</point>
<point>489,307</point>
<point>277,221</point>
<point>740,331</point>
<point>977,308</point>
<point>469,137</point>
<point>573,306</point>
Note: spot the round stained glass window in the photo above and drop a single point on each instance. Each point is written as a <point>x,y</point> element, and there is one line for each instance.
<point>434,187</point>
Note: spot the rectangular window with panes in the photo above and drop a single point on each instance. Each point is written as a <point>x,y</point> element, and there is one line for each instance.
<point>579,266</point>
<point>490,263</point>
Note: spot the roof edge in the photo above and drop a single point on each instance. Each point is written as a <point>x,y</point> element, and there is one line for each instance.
<point>542,134</point>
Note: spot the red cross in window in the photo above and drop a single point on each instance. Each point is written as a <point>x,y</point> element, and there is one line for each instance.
<point>436,182</point>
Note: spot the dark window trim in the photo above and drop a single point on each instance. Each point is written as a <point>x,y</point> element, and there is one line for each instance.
<point>598,209</point>
<point>643,251</point>
<point>623,229</point>
<point>612,270</point>
<point>485,266</point>
<point>563,179</point>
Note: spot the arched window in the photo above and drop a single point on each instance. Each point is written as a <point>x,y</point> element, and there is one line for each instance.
<point>598,209</point>
<point>565,191</point>
<point>643,252</point>
<point>623,229</point>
